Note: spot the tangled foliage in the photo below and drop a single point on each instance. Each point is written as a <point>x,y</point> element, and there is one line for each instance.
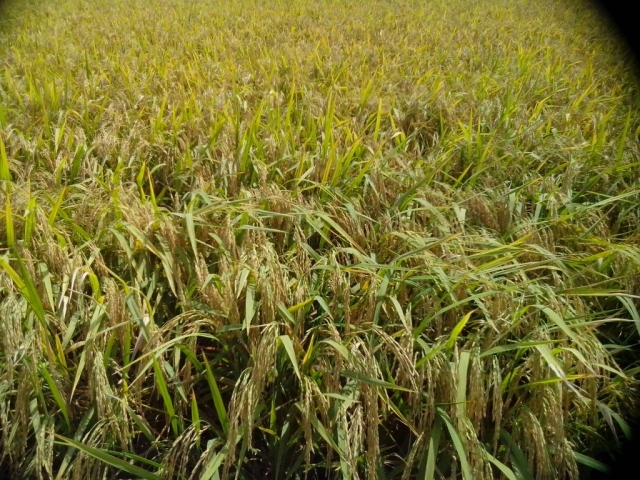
<point>328,239</point>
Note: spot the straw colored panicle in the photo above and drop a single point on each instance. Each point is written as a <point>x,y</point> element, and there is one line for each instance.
<point>315,239</point>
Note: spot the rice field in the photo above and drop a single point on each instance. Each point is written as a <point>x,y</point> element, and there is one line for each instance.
<point>316,239</point>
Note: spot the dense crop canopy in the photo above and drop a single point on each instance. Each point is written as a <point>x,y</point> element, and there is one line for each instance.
<point>341,239</point>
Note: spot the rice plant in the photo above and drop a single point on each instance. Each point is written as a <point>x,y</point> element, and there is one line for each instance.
<point>328,239</point>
